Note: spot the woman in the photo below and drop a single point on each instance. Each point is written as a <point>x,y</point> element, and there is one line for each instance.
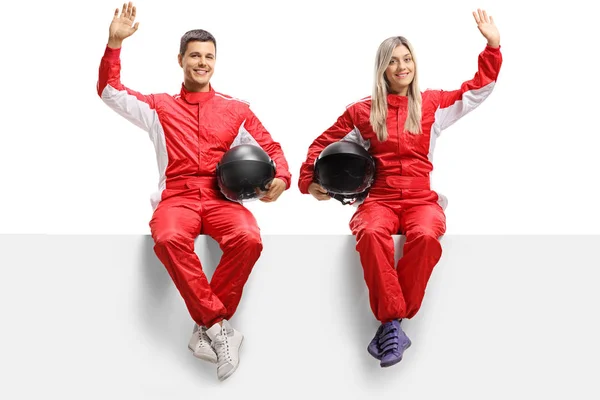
<point>399,126</point>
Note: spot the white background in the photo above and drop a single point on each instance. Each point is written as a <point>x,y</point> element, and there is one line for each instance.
<point>99,318</point>
<point>505,316</point>
<point>522,163</point>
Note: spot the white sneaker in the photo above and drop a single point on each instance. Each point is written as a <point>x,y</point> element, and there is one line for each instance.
<point>200,345</point>
<point>226,342</point>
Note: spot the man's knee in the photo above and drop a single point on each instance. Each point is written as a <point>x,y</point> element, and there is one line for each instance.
<point>247,239</point>
<point>425,235</point>
<point>250,239</point>
<point>168,238</point>
<point>371,232</point>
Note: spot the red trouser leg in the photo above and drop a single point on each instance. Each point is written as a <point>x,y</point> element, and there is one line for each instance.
<point>422,225</point>
<point>235,229</point>
<point>373,224</point>
<point>175,225</point>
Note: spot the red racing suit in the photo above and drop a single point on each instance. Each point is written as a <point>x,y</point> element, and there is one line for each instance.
<point>400,199</point>
<point>191,131</point>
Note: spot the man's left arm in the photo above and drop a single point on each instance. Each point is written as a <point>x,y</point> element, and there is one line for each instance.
<point>256,129</point>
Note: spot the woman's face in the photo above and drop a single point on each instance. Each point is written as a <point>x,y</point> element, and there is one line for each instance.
<point>401,71</point>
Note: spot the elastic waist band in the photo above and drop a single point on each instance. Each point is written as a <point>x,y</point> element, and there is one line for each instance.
<point>403,182</point>
<point>193,182</point>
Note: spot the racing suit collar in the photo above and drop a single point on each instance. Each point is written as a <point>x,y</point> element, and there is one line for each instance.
<point>397,100</point>
<point>196,97</point>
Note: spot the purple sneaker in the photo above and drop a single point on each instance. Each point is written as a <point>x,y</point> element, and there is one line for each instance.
<point>392,343</point>
<point>373,347</point>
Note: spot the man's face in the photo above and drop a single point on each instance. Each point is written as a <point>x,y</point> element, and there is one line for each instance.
<point>198,65</point>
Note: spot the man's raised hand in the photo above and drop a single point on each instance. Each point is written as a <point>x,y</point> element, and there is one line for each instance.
<point>122,26</point>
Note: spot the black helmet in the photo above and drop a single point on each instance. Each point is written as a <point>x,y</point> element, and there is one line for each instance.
<point>244,173</point>
<point>346,170</point>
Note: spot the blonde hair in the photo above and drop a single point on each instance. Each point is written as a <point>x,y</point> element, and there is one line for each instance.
<point>381,88</point>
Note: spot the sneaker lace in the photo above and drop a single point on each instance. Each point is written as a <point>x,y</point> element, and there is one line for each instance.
<point>204,339</point>
<point>222,347</point>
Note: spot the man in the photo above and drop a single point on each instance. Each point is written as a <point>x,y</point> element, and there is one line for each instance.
<point>191,131</point>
